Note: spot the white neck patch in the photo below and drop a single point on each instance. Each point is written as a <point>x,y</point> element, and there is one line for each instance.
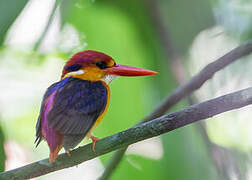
<point>75,73</point>
<point>109,78</point>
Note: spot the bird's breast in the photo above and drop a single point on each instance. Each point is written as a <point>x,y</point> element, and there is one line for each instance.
<point>99,119</point>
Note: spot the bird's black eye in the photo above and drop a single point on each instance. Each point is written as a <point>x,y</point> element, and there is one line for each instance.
<point>101,64</point>
<point>74,67</point>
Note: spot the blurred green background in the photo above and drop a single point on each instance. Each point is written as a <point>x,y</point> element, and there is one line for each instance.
<point>174,37</point>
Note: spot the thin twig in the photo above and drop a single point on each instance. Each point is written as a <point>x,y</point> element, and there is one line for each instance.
<point>112,164</point>
<point>135,134</point>
<point>184,90</point>
<point>223,158</point>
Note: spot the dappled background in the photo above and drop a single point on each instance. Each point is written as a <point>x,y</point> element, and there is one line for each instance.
<point>174,37</point>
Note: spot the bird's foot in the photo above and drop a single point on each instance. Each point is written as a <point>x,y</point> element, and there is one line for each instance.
<point>68,153</point>
<point>94,140</point>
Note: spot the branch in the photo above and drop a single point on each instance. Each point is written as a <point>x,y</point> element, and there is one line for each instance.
<point>222,158</point>
<point>218,154</point>
<point>140,132</point>
<point>182,91</point>
<point>197,81</point>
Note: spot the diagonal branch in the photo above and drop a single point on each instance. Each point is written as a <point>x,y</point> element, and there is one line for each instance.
<point>182,91</point>
<point>222,158</point>
<point>197,81</point>
<point>137,133</point>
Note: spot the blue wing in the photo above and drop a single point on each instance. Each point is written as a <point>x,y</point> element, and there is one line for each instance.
<point>76,106</point>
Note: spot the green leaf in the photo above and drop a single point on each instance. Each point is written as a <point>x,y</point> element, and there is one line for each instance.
<point>185,19</point>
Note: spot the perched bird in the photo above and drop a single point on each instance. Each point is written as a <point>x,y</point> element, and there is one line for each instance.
<point>74,106</point>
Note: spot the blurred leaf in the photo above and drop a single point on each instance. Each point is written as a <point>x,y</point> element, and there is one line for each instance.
<point>186,157</point>
<point>136,167</point>
<point>235,16</point>
<point>185,19</point>
<point>9,12</point>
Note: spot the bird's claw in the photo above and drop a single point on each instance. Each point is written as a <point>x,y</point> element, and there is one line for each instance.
<point>94,140</point>
<point>68,153</point>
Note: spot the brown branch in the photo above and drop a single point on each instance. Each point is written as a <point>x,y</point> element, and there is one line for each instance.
<point>217,153</point>
<point>222,157</point>
<point>140,132</point>
<point>197,81</point>
<point>184,90</point>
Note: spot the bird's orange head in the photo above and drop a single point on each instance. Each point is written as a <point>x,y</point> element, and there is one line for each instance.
<point>94,66</point>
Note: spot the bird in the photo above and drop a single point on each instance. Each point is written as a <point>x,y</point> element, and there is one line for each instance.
<point>72,107</point>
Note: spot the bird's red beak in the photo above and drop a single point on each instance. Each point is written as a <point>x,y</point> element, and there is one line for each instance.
<point>122,70</point>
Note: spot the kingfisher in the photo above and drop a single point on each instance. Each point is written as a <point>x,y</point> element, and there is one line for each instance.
<point>72,107</point>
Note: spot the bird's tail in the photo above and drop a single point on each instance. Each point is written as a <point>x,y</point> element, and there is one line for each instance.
<point>54,154</point>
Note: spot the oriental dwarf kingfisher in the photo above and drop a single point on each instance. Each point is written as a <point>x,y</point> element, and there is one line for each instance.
<point>74,106</point>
